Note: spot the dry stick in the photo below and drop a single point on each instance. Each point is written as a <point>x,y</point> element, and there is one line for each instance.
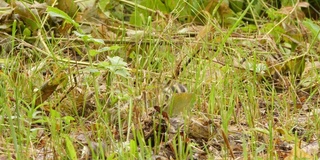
<point>180,69</point>
<point>226,141</point>
<point>107,41</point>
<point>204,32</point>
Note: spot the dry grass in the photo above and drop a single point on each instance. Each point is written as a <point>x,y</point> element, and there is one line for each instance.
<point>253,95</point>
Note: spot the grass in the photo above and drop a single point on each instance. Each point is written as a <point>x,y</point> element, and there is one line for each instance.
<point>61,97</point>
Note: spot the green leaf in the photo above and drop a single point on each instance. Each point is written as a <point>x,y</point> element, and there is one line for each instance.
<point>118,66</point>
<point>182,103</point>
<point>94,52</point>
<point>27,32</point>
<point>285,135</point>
<point>237,5</point>
<point>139,16</point>
<point>113,48</point>
<point>92,70</point>
<point>70,148</point>
<point>54,114</point>
<point>88,38</point>
<point>68,119</point>
<point>314,28</point>
<point>59,13</point>
<point>117,61</point>
<point>123,73</point>
<point>181,8</point>
<point>133,148</point>
<point>103,4</point>
<point>103,64</point>
<point>249,28</point>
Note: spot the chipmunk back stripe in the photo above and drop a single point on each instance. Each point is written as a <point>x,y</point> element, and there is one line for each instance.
<point>178,88</point>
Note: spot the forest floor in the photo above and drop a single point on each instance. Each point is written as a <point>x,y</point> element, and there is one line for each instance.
<point>96,87</point>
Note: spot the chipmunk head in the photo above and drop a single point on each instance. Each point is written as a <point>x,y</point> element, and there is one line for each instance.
<point>175,88</point>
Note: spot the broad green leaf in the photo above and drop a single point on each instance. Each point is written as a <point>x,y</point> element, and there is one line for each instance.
<point>59,13</point>
<point>237,5</point>
<point>103,4</point>
<point>116,66</point>
<point>92,70</point>
<point>183,9</point>
<point>70,148</point>
<point>257,7</point>
<point>27,32</point>
<point>117,61</point>
<point>123,73</point>
<point>133,148</point>
<point>54,114</point>
<point>139,16</point>
<point>113,48</point>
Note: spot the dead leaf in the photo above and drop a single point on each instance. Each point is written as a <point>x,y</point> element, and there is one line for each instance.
<point>49,87</point>
<point>309,77</point>
<point>303,4</point>
<point>5,10</point>
<point>28,13</point>
<point>311,148</point>
<point>297,153</point>
<point>3,3</point>
<point>293,12</point>
<point>190,30</point>
<point>200,128</point>
<point>68,6</point>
